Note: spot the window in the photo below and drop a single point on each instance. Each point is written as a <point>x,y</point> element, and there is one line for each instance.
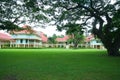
<point>26,41</point>
<point>21,41</point>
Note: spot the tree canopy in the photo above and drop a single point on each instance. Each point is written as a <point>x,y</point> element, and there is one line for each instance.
<point>52,39</point>
<point>100,15</point>
<point>75,31</point>
<point>15,12</point>
<point>8,14</point>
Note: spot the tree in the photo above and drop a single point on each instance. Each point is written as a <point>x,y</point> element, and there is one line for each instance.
<point>52,39</point>
<point>15,12</point>
<point>101,15</point>
<point>75,31</point>
<point>8,15</point>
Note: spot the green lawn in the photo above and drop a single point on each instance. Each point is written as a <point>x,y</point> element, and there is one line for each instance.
<point>58,64</point>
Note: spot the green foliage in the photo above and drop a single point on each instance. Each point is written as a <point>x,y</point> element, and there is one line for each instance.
<point>52,39</point>
<point>10,12</point>
<point>9,25</point>
<point>75,31</point>
<point>18,12</point>
<point>116,19</point>
<point>98,14</point>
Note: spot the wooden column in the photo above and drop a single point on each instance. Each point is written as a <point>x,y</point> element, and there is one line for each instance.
<point>0,44</point>
<point>10,43</point>
<point>28,43</point>
<point>34,43</point>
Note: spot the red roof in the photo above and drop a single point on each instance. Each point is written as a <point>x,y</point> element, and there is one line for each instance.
<point>25,26</point>
<point>21,32</point>
<point>89,38</point>
<point>26,31</point>
<point>5,37</point>
<point>64,39</point>
<point>43,37</point>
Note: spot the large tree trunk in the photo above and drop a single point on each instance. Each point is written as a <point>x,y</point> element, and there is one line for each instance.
<point>76,44</point>
<point>111,43</point>
<point>112,48</point>
<point>113,51</point>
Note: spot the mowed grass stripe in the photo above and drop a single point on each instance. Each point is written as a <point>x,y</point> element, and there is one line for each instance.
<point>58,64</point>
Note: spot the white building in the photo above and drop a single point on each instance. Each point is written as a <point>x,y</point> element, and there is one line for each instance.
<point>26,38</point>
<point>92,42</point>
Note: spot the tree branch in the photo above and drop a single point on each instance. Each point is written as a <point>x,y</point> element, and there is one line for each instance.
<point>84,23</point>
<point>109,20</point>
<point>16,19</point>
<point>95,10</point>
<point>91,11</point>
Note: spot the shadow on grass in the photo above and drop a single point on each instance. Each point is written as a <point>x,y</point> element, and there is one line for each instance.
<point>9,77</point>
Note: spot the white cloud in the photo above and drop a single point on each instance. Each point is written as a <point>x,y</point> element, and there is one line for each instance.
<point>50,30</point>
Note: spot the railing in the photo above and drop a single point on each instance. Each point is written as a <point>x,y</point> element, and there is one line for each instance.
<point>39,45</point>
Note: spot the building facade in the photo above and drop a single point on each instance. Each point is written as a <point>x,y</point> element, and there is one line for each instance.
<point>62,42</point>
<point>5,40</point>
<point>26,38</point>
<point>92,42</point>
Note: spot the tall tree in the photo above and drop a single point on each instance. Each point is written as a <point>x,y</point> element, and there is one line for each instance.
<point>52,39</point>
<point>75,31</point>
<point>100,15</point>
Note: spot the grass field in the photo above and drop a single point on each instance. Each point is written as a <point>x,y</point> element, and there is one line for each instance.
<point>58,64</point>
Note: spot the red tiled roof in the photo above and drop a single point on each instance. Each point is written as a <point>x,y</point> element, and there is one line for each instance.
<point>64,39</point>
<point>5,37</point>
<point>43,37</point>
<point>22,32</point>
<point>26,31</point>
<point>89,38</point>
<point>25,26</point>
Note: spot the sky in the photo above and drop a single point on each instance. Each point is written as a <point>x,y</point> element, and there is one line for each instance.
<point>50,30</point>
